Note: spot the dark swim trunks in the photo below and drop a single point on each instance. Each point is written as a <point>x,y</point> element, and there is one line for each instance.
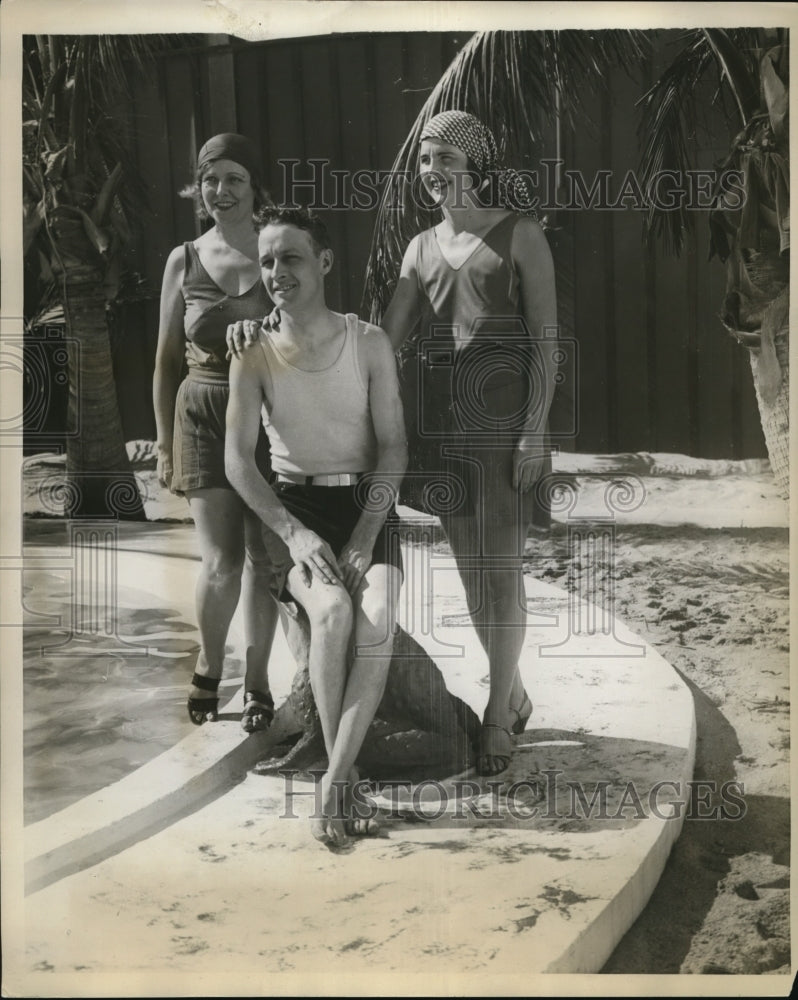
<point>332,512</point>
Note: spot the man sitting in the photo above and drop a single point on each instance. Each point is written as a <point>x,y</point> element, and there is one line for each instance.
<point>328,390</point>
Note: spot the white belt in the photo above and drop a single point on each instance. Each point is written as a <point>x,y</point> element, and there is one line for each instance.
<point>328,479</point>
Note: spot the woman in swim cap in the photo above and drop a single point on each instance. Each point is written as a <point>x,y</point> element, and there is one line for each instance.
<point>209,283</point>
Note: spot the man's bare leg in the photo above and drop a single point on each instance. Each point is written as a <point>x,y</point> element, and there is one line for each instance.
<point>375,614</point>
<point>329,611</point>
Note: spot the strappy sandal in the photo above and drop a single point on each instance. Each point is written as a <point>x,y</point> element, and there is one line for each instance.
<point>522,716</point>
<point>494,742</point>
<point>258,712</point>
<point>202,710</point>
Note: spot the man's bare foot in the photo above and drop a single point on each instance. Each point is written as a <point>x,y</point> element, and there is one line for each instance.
<point>330,831</point>
<point>339,821</point>
<point>358,825</point>
<point>330,828</point>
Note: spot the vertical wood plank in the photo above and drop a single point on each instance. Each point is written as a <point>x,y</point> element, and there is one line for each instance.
<point>286,135</point>
<point>631,414</point>
<point>222,104</point>
<point>607,220</point>
<point>182,141</point>
<point>590,291</point>
<point>357,153</point>
<point>392,125</point>
<point>670,322</point>
<point>153,165</point>
<point>249,96</point>
<point>322,143</point>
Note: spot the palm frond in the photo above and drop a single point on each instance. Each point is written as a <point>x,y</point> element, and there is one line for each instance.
<point>739,75</point>
<point>76,146</point>
<point>669,111</point>
<point>514,81</point>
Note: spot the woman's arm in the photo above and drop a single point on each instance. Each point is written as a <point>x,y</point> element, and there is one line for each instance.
<point>168,361</point>
<point>404,310</point>
<point>535,267</point>
<point>385,405</point>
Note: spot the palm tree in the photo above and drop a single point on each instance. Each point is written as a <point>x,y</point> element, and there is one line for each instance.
<point>79,196</point>
<point>499,76</point>
<point>753,238</point>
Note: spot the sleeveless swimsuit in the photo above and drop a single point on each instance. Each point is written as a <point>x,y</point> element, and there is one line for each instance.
<point>201,406</point>
<point>469,376</point>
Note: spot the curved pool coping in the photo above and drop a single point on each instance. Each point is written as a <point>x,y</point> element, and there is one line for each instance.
<point>596,689</point>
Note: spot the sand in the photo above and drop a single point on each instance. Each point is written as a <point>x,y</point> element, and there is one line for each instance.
<point>714,603</point>
<point>700,568</point>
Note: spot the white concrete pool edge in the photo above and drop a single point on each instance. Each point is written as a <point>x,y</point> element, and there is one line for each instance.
<point>213,758</point>
<point>594,945</point>
<point>142,802</point>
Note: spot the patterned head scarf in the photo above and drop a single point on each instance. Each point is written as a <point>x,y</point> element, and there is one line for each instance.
<point>461,129</point>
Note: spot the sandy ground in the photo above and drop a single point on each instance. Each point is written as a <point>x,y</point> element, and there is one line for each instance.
<point>700,568</point>
<point>714,603</point>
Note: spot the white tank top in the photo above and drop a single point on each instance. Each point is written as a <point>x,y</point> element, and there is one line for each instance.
<point>320,422</point>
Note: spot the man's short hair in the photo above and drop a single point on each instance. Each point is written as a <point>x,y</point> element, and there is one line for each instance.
<point>302,218</point>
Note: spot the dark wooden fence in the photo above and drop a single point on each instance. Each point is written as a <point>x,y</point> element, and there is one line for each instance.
<point>657,372</point>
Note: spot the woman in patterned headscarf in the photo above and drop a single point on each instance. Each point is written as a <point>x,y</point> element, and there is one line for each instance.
<point>474,302</point>
<point>209,283</point>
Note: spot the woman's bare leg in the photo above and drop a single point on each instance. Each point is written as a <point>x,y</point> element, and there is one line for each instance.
<point>260,611</point>
<point>219,522</point>
<point>488,547</point>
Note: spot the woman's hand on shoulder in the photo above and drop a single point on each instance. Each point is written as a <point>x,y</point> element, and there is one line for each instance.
<point>244,332</point>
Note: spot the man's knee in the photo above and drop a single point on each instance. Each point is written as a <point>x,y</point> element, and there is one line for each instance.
<point>374,636</point>
<point>375,623</point>
<point>329,608</point>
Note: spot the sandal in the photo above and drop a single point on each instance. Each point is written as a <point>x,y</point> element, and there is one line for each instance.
<point>494,742</point>
<point>258,712</point>
<point>522,716</point>
<point>204,709</point>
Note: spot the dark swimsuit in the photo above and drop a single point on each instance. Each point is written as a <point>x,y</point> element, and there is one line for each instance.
<point>199,432</point>
<point>468,378</point>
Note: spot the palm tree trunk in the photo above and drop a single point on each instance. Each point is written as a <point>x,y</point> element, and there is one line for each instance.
<point>774,404</point>
<point>100,482</point>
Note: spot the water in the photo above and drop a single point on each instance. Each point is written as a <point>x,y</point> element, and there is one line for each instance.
<point>95,715</point>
